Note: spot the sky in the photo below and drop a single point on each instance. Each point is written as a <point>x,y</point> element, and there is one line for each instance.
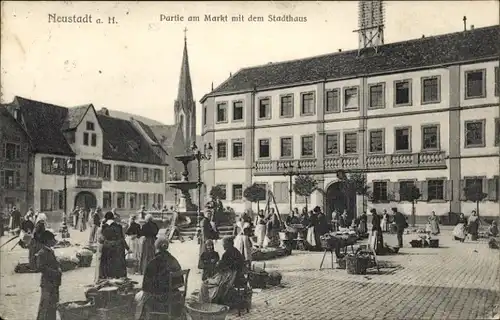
<point>133,65</point>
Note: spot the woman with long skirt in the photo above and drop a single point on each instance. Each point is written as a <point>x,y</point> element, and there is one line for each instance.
<point>377,237</point>
<point>260,228</point>
<point>112,260</point>
<point>473,225</point>
<point>149,232</point>
<point>35,243</point>
<point>96,223</point>
<point>459,232</point>
<point>132,235</point>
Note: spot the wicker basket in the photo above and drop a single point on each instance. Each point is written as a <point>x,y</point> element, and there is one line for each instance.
<point>207,311</point>
<point>84,312</point>
<point>357,264</point>
<point>416,243</point>
<point>84,261</point>
<point>434,243</point>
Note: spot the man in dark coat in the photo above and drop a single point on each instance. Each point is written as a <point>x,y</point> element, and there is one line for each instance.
<point>50,280</point>
<point>401,224</point>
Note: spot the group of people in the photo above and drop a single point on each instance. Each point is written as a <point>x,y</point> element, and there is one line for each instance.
<point>470,226</point>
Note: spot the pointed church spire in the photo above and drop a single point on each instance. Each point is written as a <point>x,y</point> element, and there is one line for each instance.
<point>185,98</point>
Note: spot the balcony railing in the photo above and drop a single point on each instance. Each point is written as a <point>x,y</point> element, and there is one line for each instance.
<point>374,162</point>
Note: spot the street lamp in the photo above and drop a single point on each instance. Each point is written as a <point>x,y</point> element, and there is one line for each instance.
<point>173,176</point>
<point>199,156</point>
<point>289,172</point>
<point>65,169</point>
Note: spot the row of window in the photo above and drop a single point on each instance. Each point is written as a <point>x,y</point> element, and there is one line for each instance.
<point>97,169</point>
<point>10,179</point>
<point>89,137</point>
<point>430,135</point>
<point>11,151</point>
<point>281,192</point>
<point>347,98</point>
<point>51,200</point>
<point>431,189</point>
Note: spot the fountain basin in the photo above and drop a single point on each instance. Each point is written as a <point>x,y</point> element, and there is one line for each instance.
<point>183,185</point>
<point>185,158</point>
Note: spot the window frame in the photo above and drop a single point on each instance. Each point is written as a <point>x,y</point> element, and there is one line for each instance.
<point>370,86</point>
<point>217,142</point>
<point>313,146</point>
<point>339,100</point>
<point>483,134</point>
<point>302,95</point>
<point>269,110</point>
<point>422,90</point>
<point>89,126</point>
<point>497,81</point>
<point>223,186</point>
<point>438,136</point>
<point>217,104</point>
<point>483,84</point>
<point>233,191</point>
<point>238,140</point>
<point>233,103</point>
<point>104,194</point>
<point>345,144</point>
<point>444,181</point>
<point>386,200</point>
<point>292,107</point>
<point>344,108</point>
<point>409,139</point>
<point>410,93</point>
<point>204,116</point>
<point>258,148</point>
<point>339,146</point>
<point>281,148</point>
<point>93,139</point>
<point>497,132</point>
<point>86,139</point>
<point>370,141</point>
<point>415,183</point>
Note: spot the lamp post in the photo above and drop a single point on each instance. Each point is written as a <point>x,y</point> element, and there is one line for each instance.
<point>67,165</point>
<point>199,155</point>
<point>173,176</point>
<point>289,172</point>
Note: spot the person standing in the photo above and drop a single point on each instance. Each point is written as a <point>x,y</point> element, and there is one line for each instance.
<point>132,235</point>
<point>385,221</point>
<point>242,241</point>
<point>473,225</point>
<point>434,223</point>
<point>260,228</point>
<point>75,214</point>
<point>15,220</point>
<point>96,223</point>
<point>112,262</point>
<point>401,225</point>
<point>207,231</point>
<point>83,219</point>
<point>50,279</point>
<point>149,232</point>
<point>273,228</point>
<point>36,244</point>
<point>377,237</point>
<point>143,212</point>
<point>363,224</point>
<point>208,260</point>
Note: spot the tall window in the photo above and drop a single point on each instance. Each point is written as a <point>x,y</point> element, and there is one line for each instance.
<point>265,108</point>
<point>475,84</point>
<point>237,110</point>
<point>12,151</point>
<point>377,99</point>
<point>435,190</point>
<point>221,149</point>
<point>286,105</point>
<point>350,143</point>
<point>10,179</point>
<point>204,115</point>
<point>132,175</point>
<point>145,175</point>
<point>286,147</point>
<point>93,168</point>
<point>469,182</point>
<point>106,175</point>
<point>89,126</point>
<point>474,133</point>
<point>264,150</point>
<point>132,200</point>
<point>377,140</point>
<point>402,186</point>
<point>224,191</point>
<point>120,200</point>
<point>332,101</point>
<point>93,140</point>
<point>86,138</point>
<point>158,173</point>
<point>402,139</point>
<point>497,131</point>
<point>307,149</point>
<point>431,90</point>
<point>281,192</point>
<point>307,104</point>
<point>497,81</point>
<point>351,98</point>
<point>106,200</point>
<point>237,192</point>
<point>402,91</point>
<point>332,144</point>
<point>85,168</point>
<point>430,137</point>
<point>46,200</point>
<point>222,112</point>
<point>238,149</point>
<point>380,191</point>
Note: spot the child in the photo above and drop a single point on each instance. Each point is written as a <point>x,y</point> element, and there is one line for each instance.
<point>208,260</point>
<point>51,277</point>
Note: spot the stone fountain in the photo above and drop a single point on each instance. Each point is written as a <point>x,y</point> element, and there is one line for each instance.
<point>184,185</point>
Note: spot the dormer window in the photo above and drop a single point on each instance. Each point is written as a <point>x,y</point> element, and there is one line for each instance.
<point>90,126</point>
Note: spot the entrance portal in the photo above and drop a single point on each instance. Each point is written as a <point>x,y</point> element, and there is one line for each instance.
<point>86,200</point>
<point>337,200</point>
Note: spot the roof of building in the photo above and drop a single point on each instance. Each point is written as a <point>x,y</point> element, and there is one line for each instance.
<point>458,47</point>
<point>164,134</point>
<point>45,124</point>
<point>127,116</point>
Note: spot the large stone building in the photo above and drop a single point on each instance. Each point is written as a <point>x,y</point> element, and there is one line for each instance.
<point>423,112</point>
<point>15,164</point>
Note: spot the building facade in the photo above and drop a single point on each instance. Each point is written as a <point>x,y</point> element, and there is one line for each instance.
<point>422,112</point>
<point>15,164</point>
<point>101,160</point>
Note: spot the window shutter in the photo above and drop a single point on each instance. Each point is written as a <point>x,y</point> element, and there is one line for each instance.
<point>395,188</point>
<point>493,189</point>
<point>151,176</point>
<point>485,185</point>
<point>284,192</point>
<point>99,169</point>
<point>462,191</point>
<point>422,185</point>
<point>151,198</point>
<point>2,178</point>
<point>115,173</point>
<point>113,200</point>
<point>79,167</point>
<point>277,191</point>
<point>2,150</point>
<point>370,189</point>
<point>55,200</point>
<point>448,190</point>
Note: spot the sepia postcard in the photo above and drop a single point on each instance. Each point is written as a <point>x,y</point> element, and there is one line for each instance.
<point>249,160</point>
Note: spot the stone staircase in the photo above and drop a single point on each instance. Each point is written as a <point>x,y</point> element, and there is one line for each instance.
<point>190,231</point>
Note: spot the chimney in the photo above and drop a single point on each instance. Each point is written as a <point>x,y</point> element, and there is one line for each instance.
<point>472,27</point>
<point>212,86</point>
<point>230,74</point>
<point>423,36</point>
<point>340,50</point>
<point>465,23</point>
<point>104,111</point>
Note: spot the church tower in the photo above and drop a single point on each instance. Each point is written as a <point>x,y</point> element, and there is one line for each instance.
<point>185,106</point>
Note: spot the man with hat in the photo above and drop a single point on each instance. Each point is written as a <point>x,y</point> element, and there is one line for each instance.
<point>401,224</point>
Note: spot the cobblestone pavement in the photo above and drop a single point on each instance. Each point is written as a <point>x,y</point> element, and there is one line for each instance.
<point>456,281</point>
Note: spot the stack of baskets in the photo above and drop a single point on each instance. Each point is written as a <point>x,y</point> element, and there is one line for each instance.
<point>357,263</point>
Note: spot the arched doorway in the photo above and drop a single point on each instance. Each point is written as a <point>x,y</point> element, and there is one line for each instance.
<point>85,199</point>
<point>337,200</point>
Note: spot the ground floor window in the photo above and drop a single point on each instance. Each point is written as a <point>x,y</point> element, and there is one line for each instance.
<point>237,191</point>
<point>132,199</point>
<point>402,186</point>
<point>106,200</point>
<point>120,200</point>
<point>379,191</point>
<point>46,200</point>
<point>435,190</point>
